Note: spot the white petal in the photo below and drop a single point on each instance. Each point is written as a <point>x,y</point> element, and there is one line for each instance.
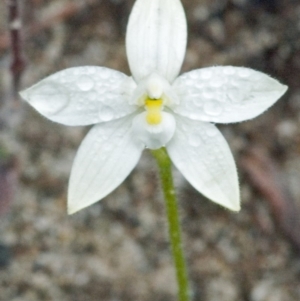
<point>202,155</point>
<point>226,94</point>
<point>156,38</point>
<point>82,95</point>
<point>154,136</point>
<point>105,158</point>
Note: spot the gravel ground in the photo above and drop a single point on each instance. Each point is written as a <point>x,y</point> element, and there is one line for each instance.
<point>116,250</point>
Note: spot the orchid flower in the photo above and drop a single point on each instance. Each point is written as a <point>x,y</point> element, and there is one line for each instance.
<point>154,108</point>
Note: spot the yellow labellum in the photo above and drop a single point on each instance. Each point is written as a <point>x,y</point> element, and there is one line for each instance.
<point>153,107</point>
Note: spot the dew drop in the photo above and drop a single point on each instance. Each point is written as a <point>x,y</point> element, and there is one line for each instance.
<point>79,106</point>
<point>180,163</point>
<point>235,83</point>
<point>204,117</point>
<point>91,107</point>
<point>194,140</point>
<point>208,94</point>
<point>76,71</point>
<point>91,70</point>
<point>194,115</point>
<point>91,96</point>
<point>213,108</point>
<point>228,70</point>
<point>106,147</point>
<point>85,83</point>
<point>185,127</point>
<point>193,75</point>
<point>206,74</point>
<point>199,85</point>
<point>95,120</point>
<point>197,102</point>
<point>106,114</point>
<point>220,155</point>
<point>216,82</point>
<point>211,132</point>
<point>189,82</point>
<point>243,72</point>
<point>236,96</point>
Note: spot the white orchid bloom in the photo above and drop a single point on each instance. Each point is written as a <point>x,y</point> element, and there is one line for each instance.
<point>154,109</point>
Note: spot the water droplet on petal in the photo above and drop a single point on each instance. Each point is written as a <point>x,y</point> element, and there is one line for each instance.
<point>243,72</point>
<point>207,94</point>
<point>185,127</point>
<point>180,163</point>
<point>213,108</point>
<point>91,70</point>
<point>216,82</point>
<point>206,74</point>
<point>106,114</point>
<point>204,117</point>
<point>91,95</point>
<point>194,115</point>
<point>79,106</point>
<point>85,83</point>
<point>194,140</point>
<point>75,71</point>
<point>106,147</point>
<point>234,82</point>
<point>193,75</point>
<point>228,70</point>
<point>197,102</point>
<point>236,96</point>
<point>211,132</point>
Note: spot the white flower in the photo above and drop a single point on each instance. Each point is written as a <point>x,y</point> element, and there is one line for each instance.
<point>152,109</point>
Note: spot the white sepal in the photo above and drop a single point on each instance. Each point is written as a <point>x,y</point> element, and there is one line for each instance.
<point>202,155</point>
<point>82,95</point>
<point>226,94</point>
<point>154,136</point>
<point>156,38</point>
<point>105,158</point>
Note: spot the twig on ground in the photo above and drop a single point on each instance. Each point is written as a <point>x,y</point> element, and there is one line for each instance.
<point>17,59</point>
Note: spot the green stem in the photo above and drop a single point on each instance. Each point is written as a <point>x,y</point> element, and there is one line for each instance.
<point>165,170</point>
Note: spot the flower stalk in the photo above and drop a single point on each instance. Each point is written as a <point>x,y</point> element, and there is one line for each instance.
<point>165,171</point>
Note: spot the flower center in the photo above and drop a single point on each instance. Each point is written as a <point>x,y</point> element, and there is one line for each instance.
<point>153,108</point>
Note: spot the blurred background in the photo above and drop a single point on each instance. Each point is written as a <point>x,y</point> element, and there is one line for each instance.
<point>116,250</point>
